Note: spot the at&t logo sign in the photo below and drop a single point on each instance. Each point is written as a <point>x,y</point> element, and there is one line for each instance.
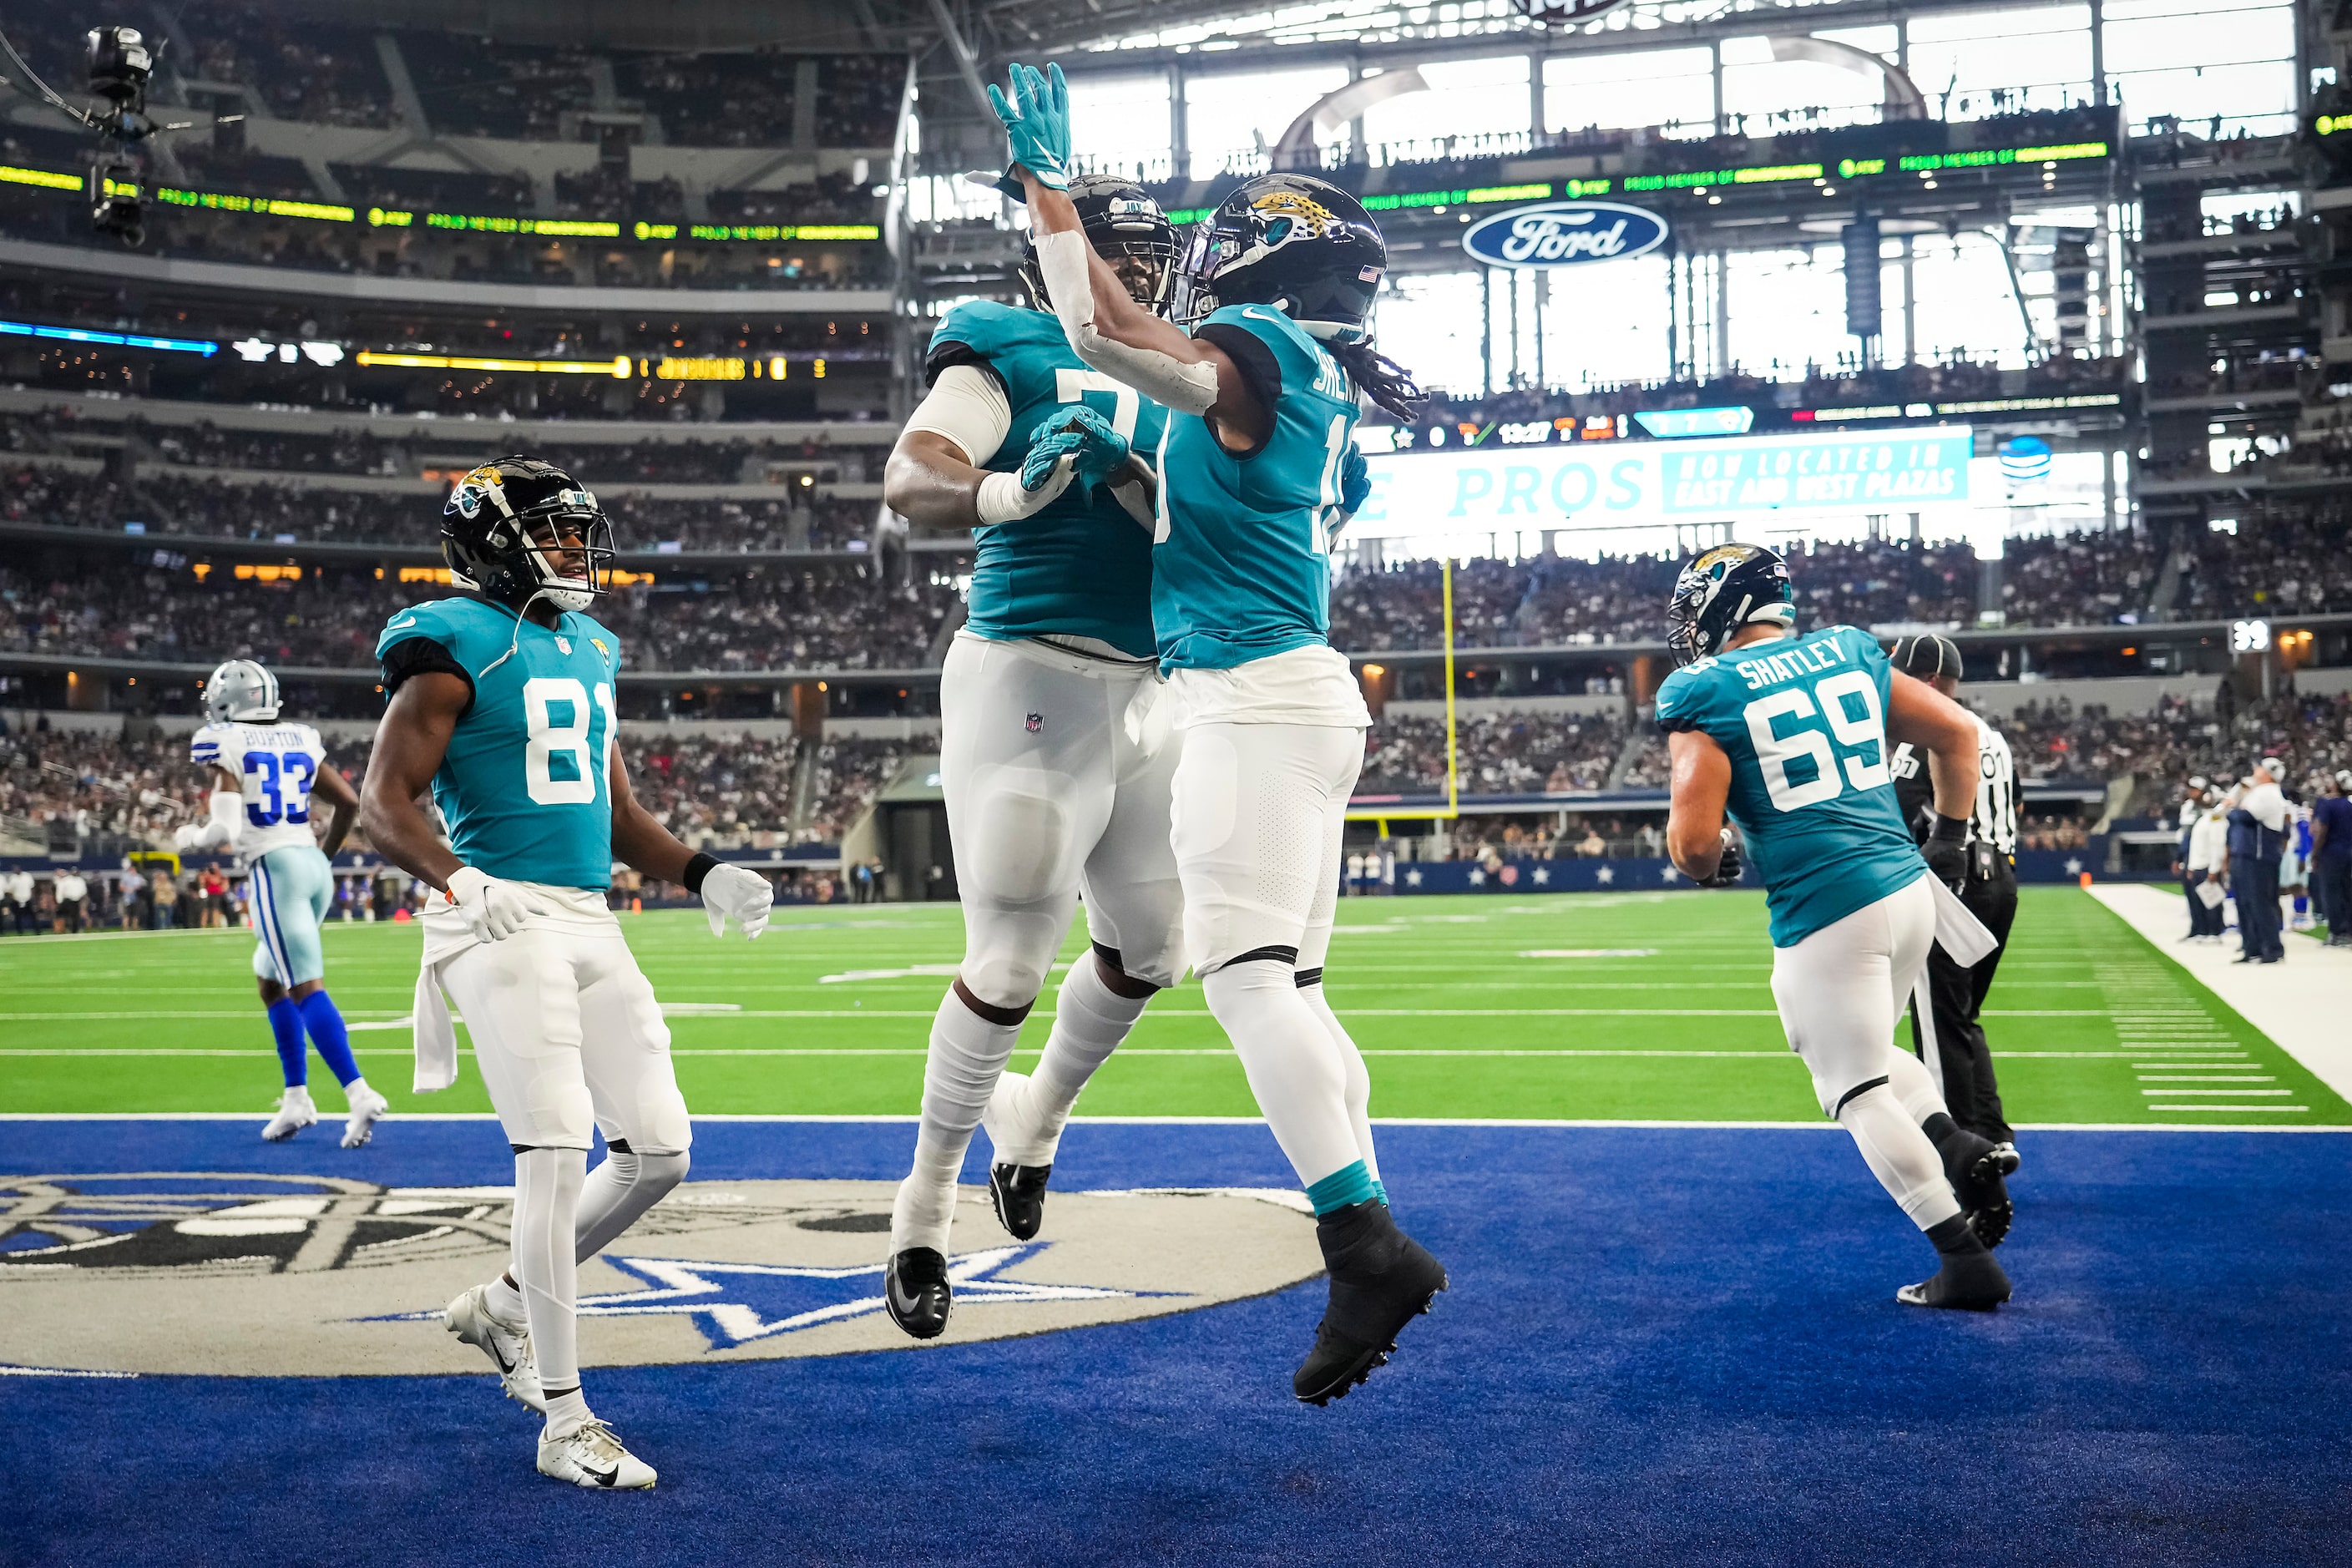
<point>1564,234</point>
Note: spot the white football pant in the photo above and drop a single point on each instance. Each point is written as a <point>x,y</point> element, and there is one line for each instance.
<point>1260,810</point>
<point>1049,800</point>
<point>1841,992</point>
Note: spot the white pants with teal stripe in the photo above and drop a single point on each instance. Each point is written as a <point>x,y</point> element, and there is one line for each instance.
<point>290,892</point>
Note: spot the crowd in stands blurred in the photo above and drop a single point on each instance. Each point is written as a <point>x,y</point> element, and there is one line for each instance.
<point>335,74</point>
<point>833,617</point>
<point>169,504</point>
<point>1496,754</point>
<point>708,786</point>
<point>355,451</point>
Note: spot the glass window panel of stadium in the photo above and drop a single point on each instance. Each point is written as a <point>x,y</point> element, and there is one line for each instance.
<point>2214,66</point>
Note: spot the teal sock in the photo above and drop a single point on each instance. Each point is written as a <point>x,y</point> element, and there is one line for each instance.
<point>1381,1192</point>
<point>1350,1183</point>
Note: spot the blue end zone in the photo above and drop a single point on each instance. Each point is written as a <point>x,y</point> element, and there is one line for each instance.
<point>1662,1345</point>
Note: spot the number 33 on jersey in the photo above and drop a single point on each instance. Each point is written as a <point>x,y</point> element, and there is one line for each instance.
<point>525,783</point>
<point>1804,724</point>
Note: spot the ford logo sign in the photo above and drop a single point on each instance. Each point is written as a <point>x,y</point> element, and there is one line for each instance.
<point>1564,234</point>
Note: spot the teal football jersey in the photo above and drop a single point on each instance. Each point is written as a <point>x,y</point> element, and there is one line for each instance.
<point>1804,724</point>
<point>1242,560</point>
<point>1081,567</point>
<point>524,786</point>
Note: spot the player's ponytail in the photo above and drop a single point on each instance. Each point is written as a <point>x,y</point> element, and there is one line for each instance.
<point>1389,383</point>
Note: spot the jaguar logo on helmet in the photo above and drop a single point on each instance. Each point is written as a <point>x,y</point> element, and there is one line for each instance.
<point>1728,587</point>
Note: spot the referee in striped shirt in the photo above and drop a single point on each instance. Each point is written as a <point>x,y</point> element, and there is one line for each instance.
<point>1950,997</point>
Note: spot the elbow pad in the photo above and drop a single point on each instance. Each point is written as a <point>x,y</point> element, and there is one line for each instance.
<point>1186,388</point>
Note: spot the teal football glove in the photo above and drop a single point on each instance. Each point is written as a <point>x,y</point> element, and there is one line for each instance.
<point>1075,432</point>
<point>1037,122</point>
<point>1355,480</point>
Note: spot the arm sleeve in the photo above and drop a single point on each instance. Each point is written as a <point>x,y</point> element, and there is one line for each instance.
<point>228,818</point>
<point>415,656</point>
<point>967,403</point>
<point>1186,388</point>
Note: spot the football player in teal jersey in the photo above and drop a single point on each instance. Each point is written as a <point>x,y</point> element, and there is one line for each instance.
<point>502,704</point>
<point>1049,797</point>
<point>1261,362</point>
<point>1789,736</point>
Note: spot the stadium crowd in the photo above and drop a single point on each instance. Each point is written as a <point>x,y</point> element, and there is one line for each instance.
<point>800,518</point>
<point>765,619</point>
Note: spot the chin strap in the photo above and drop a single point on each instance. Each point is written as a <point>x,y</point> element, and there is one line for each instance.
<point>516,641</point>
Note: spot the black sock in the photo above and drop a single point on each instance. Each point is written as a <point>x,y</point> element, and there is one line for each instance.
<point>1953,1237</point>
<point>1940,1129</point>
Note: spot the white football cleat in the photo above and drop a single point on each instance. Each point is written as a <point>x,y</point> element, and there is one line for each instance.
<point>508,1345</point>
<point>592,1457</point>
<point>295,1112</point>
<point>368,1108</point>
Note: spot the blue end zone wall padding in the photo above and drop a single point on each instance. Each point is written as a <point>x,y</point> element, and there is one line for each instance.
<point>1661,1346</point>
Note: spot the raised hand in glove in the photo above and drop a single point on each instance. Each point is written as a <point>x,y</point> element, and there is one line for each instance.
<point>1727,870</point>
<point>734,891</point>
<point>493,910</point>
<point>1944,850</point>
<point>1036,119</point>
<point>1070,444</point>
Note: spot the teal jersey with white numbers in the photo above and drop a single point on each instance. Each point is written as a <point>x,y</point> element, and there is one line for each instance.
<point>524,786</point>
<point>1082,566</point>
<point>1242,562</point>
<point>1804,724</point>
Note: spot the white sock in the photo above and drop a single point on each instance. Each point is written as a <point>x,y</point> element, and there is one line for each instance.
<point>967,1054</point>
<point>546,1219</point>
<point>566,1413</point>
<point>1900,1155</point>
<point>618,1192</point>
<point>1359,1088</point>
<point>1294,1068</point>
<point>1091,1019</point>
<point>504,1301</point>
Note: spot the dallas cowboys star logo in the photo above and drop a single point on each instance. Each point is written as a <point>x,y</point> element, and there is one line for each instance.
<point>1606,874</point>
<point>733,1303</point>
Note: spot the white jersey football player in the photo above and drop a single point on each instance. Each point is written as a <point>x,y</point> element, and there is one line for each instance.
<point>264,773</point>
<point>1050,797</point>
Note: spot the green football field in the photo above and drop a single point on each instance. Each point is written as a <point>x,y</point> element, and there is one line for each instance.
<point>1577,1006</point>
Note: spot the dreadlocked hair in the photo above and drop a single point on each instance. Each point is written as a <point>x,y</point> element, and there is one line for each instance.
<point>1389,383</point>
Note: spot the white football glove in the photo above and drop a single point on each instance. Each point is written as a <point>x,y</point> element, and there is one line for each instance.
<point>185,837</point>
<point>493,910</point>
<point>734,891</point>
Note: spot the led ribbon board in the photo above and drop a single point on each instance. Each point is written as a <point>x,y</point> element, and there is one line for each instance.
<point>117,340</point>
<point>1644,483</point>
<point>476,223</point>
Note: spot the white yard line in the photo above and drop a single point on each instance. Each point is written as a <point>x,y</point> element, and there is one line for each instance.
<point>2297,1004</point>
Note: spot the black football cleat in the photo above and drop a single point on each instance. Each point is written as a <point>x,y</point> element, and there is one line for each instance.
<point>1380,1280</point>
<point>915,1288</point>
<point>1978,1169</point>
<point>1017,1193</point>
<point>1967,1282</point>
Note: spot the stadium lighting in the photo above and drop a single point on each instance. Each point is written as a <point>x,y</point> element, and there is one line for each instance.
<point>119,339</point>
<point>617,367</point>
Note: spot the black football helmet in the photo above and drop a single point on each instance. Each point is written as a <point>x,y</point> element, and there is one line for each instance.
<point>1299,244</point>
<point>486,534</point>
<point>1730,587</point>
<point>1120,219</point>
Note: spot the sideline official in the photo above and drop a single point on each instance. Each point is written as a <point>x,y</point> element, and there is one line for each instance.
<point>1949,998</point>
<point>2257,843</point>
<point>2208,842</point>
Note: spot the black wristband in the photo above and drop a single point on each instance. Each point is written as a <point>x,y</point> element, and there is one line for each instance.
<point>1946,830</point>
<point>696,869</point>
